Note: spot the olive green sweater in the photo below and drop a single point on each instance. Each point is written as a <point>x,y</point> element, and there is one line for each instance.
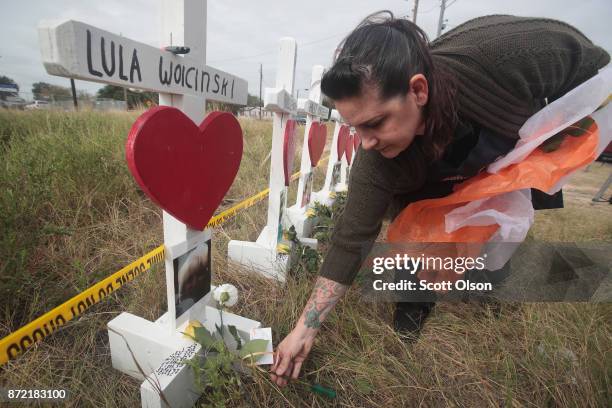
<point>505,66</point>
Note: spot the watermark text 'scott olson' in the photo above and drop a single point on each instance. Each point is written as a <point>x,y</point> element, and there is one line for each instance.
<point>535,272</point>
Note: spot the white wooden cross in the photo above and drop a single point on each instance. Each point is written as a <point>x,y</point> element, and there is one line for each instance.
<point>313,109</point>
<point>262,256</point>
<point>334,166</point>
<point>77,50</point>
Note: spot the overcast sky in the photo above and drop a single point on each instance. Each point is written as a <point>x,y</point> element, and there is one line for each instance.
<point>244,33</point>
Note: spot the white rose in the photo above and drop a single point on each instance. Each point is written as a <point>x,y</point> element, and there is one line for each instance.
<point>226,295</point>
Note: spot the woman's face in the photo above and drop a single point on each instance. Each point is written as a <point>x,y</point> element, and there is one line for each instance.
<point>388,126</point>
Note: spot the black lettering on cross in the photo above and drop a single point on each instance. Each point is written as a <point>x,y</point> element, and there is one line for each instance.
<point>166,78</point>
<point>90,67</point>
<point>109,71</point>
<point>224,85</point>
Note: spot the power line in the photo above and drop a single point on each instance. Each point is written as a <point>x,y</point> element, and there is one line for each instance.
<point>441,18</point>
<point>306,44</point>
<point>429,10</point>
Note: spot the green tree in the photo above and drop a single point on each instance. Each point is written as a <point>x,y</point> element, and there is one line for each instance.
<point>84,96</point>
<point>46,91</point>
<point>221,106</point>
<point>7,81</point>
<point>134,98</point>
<point>253,100</point>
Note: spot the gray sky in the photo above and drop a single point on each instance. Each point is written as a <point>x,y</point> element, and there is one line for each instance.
<point>244,33</point>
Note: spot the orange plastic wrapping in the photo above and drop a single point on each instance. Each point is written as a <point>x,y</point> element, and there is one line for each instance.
<point>424,221</point>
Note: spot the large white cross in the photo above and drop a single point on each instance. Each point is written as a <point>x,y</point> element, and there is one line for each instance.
<point>77,50</point>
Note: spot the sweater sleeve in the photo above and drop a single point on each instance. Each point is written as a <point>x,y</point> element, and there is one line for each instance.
<point>544,58</point>
<point>506,65</point>
<point>369,194</point>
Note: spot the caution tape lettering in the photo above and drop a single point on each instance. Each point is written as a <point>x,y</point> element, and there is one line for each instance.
<point>19,341</point>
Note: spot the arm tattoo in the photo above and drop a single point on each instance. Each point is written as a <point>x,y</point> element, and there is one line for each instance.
<point>324,297</point>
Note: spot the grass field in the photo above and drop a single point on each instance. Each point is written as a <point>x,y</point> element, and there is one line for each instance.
<point>71,214</point>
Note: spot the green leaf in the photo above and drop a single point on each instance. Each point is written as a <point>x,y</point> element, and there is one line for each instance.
<point>234,333</point>
<point>204,337</point>
<point>253,346</point>
<point>364,386</point>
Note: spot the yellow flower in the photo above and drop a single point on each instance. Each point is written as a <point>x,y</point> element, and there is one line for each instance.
<point>310,213</point>
<point>282,249</point>
<point>190,329</point>
<point>332,194</point>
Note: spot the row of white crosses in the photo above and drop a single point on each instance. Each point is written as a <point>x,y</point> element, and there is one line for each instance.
<point>265,255</point>
<point>155,351</point>
<point>314,111</point>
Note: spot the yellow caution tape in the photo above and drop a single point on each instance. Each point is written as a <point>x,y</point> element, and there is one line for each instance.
<point>17,342</point>
<point>20,340</point>
<point>230,212</point>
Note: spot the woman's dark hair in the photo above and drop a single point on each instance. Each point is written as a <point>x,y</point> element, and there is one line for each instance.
<point>386,51</point>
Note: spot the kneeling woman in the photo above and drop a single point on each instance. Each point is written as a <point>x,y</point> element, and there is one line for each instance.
<point>430,115</point>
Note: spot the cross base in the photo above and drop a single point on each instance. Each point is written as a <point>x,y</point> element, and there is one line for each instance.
<point>325,196</point>
<point>300,221</point>
<point>261,256</point>
<point>150,352</point>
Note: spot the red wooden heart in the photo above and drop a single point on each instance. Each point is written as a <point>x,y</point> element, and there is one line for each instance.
<point>356,140</point>
<point>317,136</point>
<point>289,149</point>
<point>348,152</point>
<point>183,168</point>
<point>342,139</point>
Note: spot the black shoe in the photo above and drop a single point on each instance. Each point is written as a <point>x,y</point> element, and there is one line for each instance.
<point>410,317</point>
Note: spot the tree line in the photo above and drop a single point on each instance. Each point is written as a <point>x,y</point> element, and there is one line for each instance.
<point>135,98</point>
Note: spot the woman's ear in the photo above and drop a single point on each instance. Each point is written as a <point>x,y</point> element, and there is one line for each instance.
<point>419,87</point>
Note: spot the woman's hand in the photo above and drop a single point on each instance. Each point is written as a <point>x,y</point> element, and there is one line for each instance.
<point>290,354</point>
<point>293,350</point>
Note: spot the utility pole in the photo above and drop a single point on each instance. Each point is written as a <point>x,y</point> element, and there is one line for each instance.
<point>415,10</point>
<point>260,80</point>
<point>125,95</point>
<point>125,98</point>
<point>441,19</point>
<point>74,96</point>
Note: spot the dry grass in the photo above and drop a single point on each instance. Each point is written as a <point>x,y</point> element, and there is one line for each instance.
<point>531,355</point>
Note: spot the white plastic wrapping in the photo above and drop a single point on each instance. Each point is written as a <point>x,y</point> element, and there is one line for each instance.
<point>558,115</point>
<point>513,213</point>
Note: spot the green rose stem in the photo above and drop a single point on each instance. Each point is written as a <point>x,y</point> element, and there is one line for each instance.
<point>222,299</point>
<point>314,388</point>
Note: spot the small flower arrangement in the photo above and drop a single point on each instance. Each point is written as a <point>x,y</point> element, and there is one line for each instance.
<point>218,374</point>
